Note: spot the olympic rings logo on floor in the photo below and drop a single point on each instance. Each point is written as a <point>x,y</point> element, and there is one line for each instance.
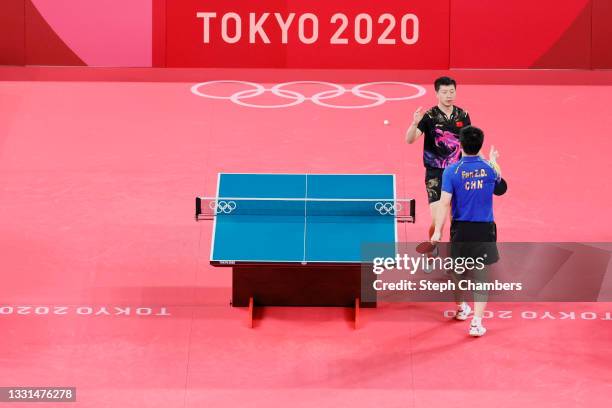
<point>320,98</point>
<point>387,208</point>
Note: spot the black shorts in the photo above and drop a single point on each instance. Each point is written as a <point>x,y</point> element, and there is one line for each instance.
<point>474,240</point>
<point>433,183</point>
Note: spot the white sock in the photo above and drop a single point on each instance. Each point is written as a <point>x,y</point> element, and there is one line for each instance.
<point>476,321</point>
<point>462,306</point>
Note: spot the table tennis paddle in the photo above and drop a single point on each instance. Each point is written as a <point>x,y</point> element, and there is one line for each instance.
<point>426,247</point>
<point>500,188</point>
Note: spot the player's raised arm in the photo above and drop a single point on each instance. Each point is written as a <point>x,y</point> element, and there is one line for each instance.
<point>413,132</point>
<point>493,156</point>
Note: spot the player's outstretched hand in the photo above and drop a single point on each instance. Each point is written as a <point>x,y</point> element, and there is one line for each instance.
<point>418,115</point>
<point>493,154</point>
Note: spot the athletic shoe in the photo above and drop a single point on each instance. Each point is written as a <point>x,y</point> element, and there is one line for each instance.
<point>464,312</point>
<point>477,330</point>
<point>426,268</point>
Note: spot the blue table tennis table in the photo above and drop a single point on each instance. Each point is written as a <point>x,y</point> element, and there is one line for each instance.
<point>296,239</point>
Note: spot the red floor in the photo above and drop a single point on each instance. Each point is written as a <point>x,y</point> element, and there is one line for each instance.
<point>107,285</point>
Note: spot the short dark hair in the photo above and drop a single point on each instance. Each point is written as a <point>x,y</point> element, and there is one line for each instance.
<point>444,81</point>
<point>471,139</point>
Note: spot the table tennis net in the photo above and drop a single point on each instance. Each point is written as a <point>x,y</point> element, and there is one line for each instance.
<point>210,207</point>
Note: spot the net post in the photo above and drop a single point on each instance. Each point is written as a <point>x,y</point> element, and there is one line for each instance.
<point>198,209</point>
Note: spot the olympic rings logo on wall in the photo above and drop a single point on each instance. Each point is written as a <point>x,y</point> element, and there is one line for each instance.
<point>372,98</point>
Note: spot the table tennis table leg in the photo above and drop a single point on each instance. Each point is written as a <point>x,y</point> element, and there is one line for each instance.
<point>251,312</point>
<point>357,309</point>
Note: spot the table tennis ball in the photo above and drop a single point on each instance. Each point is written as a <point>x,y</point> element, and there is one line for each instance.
<point>385,122</point>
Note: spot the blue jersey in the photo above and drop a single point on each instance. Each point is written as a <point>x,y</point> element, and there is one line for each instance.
<point>471,181</point>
